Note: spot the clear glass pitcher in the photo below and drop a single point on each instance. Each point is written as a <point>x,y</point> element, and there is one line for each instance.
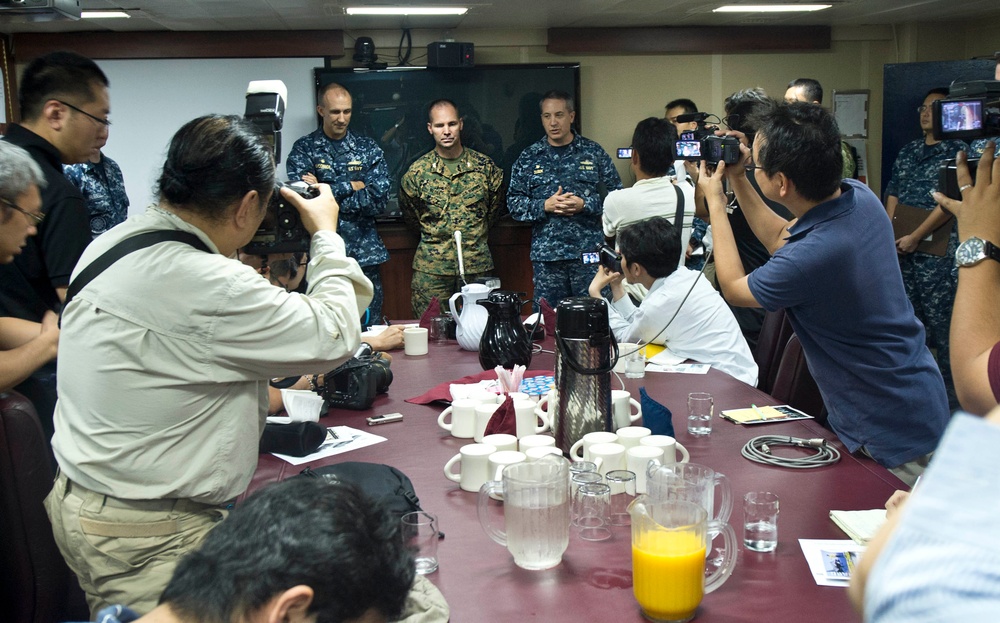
<point>535,509</point>
<point>690,482</point>
<point>669,542</point>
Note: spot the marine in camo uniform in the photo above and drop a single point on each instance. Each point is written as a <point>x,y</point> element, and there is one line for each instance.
<point>355,169</point>
<point>103,188</point>
<point>558,184</point>
<point>450,188</point>
<point>930,280</point>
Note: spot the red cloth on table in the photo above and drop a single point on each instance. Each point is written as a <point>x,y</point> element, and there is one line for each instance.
<point>503,419</point>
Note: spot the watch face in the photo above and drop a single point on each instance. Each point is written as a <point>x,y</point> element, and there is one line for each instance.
<point>970,252</point>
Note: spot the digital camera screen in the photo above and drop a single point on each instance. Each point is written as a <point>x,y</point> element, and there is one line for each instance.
<point>591,258</point>
<point>689,149</point>
<point>958,116</point>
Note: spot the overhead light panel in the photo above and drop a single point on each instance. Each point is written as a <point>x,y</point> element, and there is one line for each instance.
<point>105,15</point>
<point>406,10</point>
<point>770,8</point>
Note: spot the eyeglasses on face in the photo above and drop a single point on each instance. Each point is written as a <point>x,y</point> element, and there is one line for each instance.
<point>35,217</point>
<point>105,122</point>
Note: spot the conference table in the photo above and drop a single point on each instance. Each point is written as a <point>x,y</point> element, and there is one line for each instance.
<point>594,581</point>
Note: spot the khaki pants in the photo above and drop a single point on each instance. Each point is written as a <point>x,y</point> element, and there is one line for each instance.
<point>124,551</point>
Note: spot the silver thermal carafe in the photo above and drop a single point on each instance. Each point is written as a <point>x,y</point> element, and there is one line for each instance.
<point>586,352</point>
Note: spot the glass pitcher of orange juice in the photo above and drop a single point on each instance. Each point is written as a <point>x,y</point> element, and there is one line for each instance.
<point>669,543</point>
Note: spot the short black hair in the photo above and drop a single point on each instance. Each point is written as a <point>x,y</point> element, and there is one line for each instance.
<point>301,531</point>
<point>811,88</point>
<point>654,243</point>
<point>212,162</point>
<point>654,141</point>
<point>743,108</point>
<point>937,91</point>
<point>684,103</point>
<point>802,140</point>
<point>58,75</point>
<point>556,94</point>
<point>442,102</point>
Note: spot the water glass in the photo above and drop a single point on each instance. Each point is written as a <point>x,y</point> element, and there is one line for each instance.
<point>593,502</point>
<point>760,521</point>
<point>576,481</point>
<point>420,531</point>
<point>635,362</point>
<point>700,408</point>
<point>623,484</point>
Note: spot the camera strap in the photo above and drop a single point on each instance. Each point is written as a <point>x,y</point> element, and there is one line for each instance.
<point>123,248</point>
<point>679,215</point>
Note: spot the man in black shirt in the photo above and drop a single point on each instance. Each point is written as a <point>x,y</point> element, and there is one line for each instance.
<point>64,108</point>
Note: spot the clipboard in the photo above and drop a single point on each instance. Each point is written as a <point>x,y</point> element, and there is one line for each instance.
<point>907,218</point>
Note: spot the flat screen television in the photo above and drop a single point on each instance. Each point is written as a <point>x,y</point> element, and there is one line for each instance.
<point>499,106</point>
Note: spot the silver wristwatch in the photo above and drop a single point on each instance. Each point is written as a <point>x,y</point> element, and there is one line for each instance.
<point>975,250</point>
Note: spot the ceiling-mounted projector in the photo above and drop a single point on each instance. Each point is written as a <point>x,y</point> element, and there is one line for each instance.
<point>38,10</point>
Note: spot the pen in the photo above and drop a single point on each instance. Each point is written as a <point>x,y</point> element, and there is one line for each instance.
<point>759,413</point>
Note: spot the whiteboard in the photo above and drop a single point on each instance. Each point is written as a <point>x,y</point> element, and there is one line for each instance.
<point>152,99</point>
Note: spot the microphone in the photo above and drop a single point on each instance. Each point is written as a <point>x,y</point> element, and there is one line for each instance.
<point>692,116</point>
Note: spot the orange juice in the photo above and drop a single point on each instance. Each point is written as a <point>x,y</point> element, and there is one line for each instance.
<point>668,574</point>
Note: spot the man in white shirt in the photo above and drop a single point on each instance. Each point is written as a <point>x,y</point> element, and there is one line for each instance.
<point>682,311</point>
<point>654,193</point>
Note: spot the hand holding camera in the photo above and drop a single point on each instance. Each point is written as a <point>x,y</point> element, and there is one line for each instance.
<point>978,212</point>
<point>320,212</point>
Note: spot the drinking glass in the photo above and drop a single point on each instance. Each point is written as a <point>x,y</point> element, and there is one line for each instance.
<point>420,529</point>
<point>700,407</point>
<point>760,521</point>
<point>593,502</point>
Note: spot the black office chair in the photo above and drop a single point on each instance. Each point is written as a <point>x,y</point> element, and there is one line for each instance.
<point>794,384</point>
<point>774,334</point>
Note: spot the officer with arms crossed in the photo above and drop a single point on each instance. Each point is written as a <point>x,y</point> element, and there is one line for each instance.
<point>171,348</point>
<point>354,167</point>
<point>451,188</point>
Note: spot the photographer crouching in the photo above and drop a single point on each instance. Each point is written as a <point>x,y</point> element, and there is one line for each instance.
<point>167,352</point>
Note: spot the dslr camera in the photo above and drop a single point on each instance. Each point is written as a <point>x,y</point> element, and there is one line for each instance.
<point>604,255</point>
<point>971,111</point>
<point>282,231</point>
<point>356,382</point>
<point>703,144</point>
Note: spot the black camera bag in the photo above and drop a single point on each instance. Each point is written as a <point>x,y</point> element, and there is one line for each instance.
<point>382,483</point>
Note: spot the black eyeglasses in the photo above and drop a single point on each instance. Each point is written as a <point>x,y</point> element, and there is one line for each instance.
<point>37,218</point>
<point>105,122</point>
<point>750,166</point>
<point>922,108</point>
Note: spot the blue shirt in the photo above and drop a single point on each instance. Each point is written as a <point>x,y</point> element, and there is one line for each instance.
<point>837,278</point>
<point>338,163</point>
<point>103,188</point>
<point>583,168</point>
<point>942,563</point>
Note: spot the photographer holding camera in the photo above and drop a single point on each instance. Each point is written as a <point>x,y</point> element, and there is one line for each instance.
<point>699,324</point>
<point>169,351</point>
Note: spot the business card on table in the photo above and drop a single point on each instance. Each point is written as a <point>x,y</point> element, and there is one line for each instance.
<point>765,415</point>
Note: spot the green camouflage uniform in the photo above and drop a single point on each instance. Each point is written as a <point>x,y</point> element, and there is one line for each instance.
<point>437,199</point>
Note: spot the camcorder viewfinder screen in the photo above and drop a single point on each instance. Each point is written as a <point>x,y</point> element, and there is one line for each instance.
<point>689,149</point>
<point>591,257</point>
<point>957,116</point>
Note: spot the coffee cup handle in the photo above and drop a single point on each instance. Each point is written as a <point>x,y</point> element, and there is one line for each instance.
<point>450,475</point>
<point>441,418</point>
<point>544,426</point>
<point>684,453</point>
<point>599,461</point>
<point>724,570</point>
<point>634,417</point>
<point>572,450</point>
<point>652,465</point>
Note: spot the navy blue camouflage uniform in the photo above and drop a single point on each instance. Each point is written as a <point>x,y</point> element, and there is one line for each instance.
<point>338,163</point>
<point>583,168</point>
<point>103,189</point>
<point>930,280</point>
<point>978,146</point>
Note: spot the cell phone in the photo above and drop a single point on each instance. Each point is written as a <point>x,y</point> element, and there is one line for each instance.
<point>625,153</point>
<point>375,420</point>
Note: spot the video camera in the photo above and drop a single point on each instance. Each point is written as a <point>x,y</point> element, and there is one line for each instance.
<point>605,256</point>
<point>282,231</point>
<point>971,110</point>
<point>703,144</point>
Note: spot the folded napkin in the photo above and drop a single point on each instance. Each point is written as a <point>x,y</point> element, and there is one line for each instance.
<point>655,416</point>
<point>548,316</point>
<point>503,419</point>
<point>433,310</point>
<point>442,391</point>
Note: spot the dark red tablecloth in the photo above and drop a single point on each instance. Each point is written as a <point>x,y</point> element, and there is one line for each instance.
<point>594,581</point>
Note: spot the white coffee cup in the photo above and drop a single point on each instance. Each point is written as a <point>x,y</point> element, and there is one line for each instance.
<point>624,348</point>
<point>622,405</point>
<point>608,456</point>
<point>535,441</point>
<point>580,451</point>
<point>501,441</point>
<point>484,411</point>
<point>463,418</point>
<point>415,341</point>
<point>527,420</point>
<point>629,436</point>
<point>474,466</point>
<point>637,460</point>
<point>544,404</point>
<point>670,447</point>
<point>515,396</point>
<point>538,452</point>
<point>500,460</point>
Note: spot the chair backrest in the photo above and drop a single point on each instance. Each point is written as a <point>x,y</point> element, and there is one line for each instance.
<point>38,587</point>
<point>794,384</point>
<point>774,333</point>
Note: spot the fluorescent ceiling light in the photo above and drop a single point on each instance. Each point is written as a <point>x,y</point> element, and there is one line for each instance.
<point>104,15</point>
<point>406,10</point>
<point>770,8</point>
